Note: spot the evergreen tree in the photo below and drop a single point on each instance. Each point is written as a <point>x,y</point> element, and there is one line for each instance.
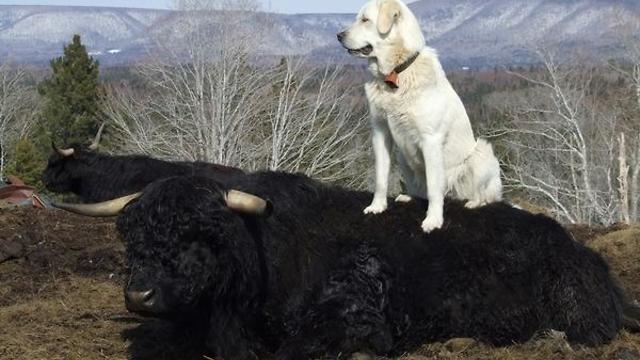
<point>71,96</point>
<point>27,163</point>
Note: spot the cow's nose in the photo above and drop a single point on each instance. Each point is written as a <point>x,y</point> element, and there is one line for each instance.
<point>341,36</point>
<point>140,300</point>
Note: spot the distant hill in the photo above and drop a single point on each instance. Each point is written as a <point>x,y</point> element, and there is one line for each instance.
<point>497,31</point>
<point>36,33</point>
<point>465,32</point>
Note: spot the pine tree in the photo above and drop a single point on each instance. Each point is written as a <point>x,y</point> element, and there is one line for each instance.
<point>27,163</point>
<point>71,96</point>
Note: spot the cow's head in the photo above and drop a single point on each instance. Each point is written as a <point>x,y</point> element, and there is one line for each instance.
<point>189,242</point>
<point>66,166</point>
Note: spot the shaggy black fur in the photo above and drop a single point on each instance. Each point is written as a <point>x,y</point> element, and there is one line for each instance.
<point>320,279</point>
<point>98,177</point>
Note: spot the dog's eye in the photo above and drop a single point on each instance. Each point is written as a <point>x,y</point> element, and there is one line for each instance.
<point>364,20</point>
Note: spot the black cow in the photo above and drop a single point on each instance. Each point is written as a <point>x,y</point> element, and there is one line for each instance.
<point>98,177</point>
<point>317,278</point>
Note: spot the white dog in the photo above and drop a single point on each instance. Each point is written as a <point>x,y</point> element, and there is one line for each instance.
<point>413,105</point>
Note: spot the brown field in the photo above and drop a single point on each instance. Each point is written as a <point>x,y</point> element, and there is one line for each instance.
<point>61,298</point>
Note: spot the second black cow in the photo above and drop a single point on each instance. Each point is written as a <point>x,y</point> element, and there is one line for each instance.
<point>98,177</point>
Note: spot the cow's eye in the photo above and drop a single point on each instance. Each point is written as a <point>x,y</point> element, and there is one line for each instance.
<point>364,20</point>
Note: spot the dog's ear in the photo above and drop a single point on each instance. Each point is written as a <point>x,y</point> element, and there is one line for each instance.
<point>388,12</point>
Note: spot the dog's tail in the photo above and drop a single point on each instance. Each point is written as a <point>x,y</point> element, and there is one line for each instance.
<point>631,316</point>
<point>483,149</point>
<point>485,168</point>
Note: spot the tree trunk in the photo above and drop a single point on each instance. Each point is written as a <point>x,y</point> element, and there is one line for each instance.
<point>635,184</point>
<point>623,181</point>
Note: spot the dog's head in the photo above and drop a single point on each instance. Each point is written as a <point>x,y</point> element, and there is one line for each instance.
<point>383,29</point>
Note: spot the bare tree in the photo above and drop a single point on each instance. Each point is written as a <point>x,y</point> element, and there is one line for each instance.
<point>210,97</point>
<point>14,96</point>
<point>629,178</point>
<point>623,180</point>
<point>629,69</point>
<point>561,143</point>
<point>203,93</point>
<point>315,124</point>
<point>634,188</point>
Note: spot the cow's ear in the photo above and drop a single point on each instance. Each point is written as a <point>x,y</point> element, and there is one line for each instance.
<point>388,12</point>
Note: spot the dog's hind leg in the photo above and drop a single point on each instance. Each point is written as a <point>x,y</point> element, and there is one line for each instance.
<point>402,198</point>
<point>413,182</point>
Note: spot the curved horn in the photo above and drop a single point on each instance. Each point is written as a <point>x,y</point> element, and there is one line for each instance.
<point>63,152</point>
<point>246,203</point>
<point>96,142</point>
<point>103,209</point>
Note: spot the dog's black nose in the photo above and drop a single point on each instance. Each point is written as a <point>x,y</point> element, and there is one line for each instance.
<point>341,36</point>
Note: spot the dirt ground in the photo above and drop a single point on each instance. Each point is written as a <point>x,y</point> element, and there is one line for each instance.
<point>61,298</point>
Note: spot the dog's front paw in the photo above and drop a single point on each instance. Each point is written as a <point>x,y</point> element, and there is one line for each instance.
<point>402,198</point>
<point>432,222</point>
<point>376,207</point>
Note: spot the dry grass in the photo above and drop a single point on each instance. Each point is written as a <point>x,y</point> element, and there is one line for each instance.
<point>79,320</point>
<point>621,248</point>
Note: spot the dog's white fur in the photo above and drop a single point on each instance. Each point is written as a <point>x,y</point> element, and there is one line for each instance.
<point>424,117</point>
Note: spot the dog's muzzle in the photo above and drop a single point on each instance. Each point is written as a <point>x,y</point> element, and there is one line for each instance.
<point>366,50</point>
<point>363,50</point>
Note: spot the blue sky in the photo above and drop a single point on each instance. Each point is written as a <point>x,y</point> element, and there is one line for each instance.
<point>287,6</point>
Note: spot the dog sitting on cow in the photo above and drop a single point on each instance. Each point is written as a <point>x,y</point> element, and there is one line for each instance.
<point>306,275</point>
<point>414,107</point>
<point>92,176</point>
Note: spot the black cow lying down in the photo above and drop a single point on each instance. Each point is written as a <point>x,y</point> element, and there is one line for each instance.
<point>317,278</point>
<point>98,177</point>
